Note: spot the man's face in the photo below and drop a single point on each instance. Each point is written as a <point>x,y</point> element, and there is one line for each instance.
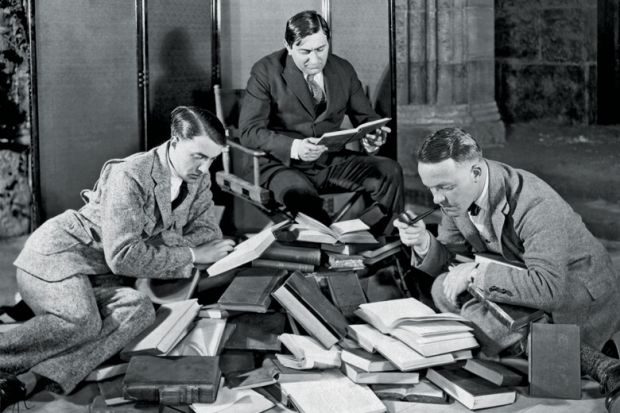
<point>454,185</point>
<point>192,157</point>
<point>310,55</point>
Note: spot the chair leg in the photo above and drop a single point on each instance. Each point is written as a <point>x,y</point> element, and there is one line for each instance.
<point>346,207</point>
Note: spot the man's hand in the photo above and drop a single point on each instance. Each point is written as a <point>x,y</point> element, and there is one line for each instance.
<point>212,251</point>
<point>415,235</point>
<point>373,141</point>
<point>457,280</point>
<point>309,151</point>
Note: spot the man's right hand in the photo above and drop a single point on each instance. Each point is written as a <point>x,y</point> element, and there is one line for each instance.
<point>309,151</point>
<point>212,251</point>
<point>415,235</point>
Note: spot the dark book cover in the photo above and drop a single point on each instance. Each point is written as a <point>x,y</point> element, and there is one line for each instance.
<point>289,253</point>
<point>251,289</point>
<point>554,361</point>
<point>308,293</point>
<point>494,372</point>
<point>346,291</point>
<point>172,380</point>
<point>254,331</point>
<point>284,265</point>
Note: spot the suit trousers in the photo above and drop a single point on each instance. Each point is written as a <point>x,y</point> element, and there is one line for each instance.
<point>76,327</point>
<point>298,187</point>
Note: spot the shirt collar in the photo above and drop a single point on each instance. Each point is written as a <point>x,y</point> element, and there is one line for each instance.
<point>318,78</point>
<point>483,198</point>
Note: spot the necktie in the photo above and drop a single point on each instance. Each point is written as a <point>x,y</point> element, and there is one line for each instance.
<point>473,209</point>
<point>182,194</point>
<point>315,90</point>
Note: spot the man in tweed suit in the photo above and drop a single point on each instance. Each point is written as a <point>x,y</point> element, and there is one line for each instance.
<point>149,215</point>
<point>491,207</point>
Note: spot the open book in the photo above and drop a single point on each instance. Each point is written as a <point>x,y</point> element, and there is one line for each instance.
<point>337,140</point>
<point>307,353</point>
<point>353,231</point>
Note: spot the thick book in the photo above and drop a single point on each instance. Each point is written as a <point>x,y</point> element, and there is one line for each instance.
<point>248,250</point>
<point>353,231</point>
<point>282,265</point>
<point>554,361</point>
<point>251,289</point>
<point>348,249</point>
<point>256,331</point>
<point>172,322</point>
<point>360,376</point>
<point>333,392</point>
<point>346,291</point>
<point>386,315</point>
<point>337,140</point>
<point>514,317</point>
<point>290,253</point>
<point>422,392</point>
<point>470,390</point>
<point>343,262</point>
<point>362,359</point>
<point>172,380</point>
<point>433,345</point>
<point>112,391</point>
<point>307,353</point>
<point>303,299</point>
<point>494,372</point>
<point>374,256</point>
<point>203,339</point>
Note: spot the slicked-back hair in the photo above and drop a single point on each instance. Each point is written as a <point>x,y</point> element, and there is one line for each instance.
<point>303,24</point>
<point>187,122</point>
<point>449,143</point>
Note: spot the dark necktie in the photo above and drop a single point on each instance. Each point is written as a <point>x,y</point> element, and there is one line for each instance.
<point>315,90</point>
<point>182,194</point>
<point>473,209</point>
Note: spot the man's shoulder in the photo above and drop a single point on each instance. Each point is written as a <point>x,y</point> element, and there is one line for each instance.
<point>276,59</point>
<point>135,165</point>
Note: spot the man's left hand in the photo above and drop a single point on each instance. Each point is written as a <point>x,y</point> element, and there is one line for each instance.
<point>457,280</point>
<point>373,141</point>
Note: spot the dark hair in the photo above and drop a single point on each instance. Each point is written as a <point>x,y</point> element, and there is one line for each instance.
<point>449,143</point>
<point>303,24</point>
<point>187,122</point>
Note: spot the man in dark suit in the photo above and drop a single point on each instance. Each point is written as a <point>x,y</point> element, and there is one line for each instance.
<point>150,215</point>
<point>491,207</point>
<point>295,95</point>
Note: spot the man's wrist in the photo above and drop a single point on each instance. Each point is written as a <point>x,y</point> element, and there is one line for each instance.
<point>295,148</point>
<point>422,250</point>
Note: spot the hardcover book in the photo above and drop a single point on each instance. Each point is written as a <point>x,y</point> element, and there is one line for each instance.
<point>203,340</point>
<point>309,229</point>
<point>470,390</point>
<point>251,289</point>
<point>337,140</point>
<point>307,353</point>
<point>346,291</point>
<point>422,392</point>
<point>235,401</point>
<point>494,372</point>
<point>291,253</point>
<point>379,377</point>
<point>257,332</point>
<point>172,380</point>
<point>283,265</point>
<point>370,362</point>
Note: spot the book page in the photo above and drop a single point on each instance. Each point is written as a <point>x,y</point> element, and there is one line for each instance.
<point>350,225</point>
<point>370,127</point>
<point>385,315</point>
<point>307,221</point>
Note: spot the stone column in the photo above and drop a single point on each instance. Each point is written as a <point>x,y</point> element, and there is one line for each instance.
<point>445,74</point>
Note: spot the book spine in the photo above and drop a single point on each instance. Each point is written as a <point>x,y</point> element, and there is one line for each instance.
<point>311,256</point>
<point>173,395</point>
<point>292,266</point>
<point>494,308</point>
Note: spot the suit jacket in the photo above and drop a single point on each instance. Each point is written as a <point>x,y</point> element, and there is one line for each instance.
<point>569,272</point>
<point>127,226</point>
<point>278,108</point>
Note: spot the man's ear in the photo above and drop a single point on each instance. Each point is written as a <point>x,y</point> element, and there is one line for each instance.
<point>288,49</point>
<point>476,170</point>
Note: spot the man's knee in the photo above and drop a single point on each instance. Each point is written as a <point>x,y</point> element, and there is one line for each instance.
<point>390,168</point>
<point>86,325</point>
<point>142,313</point>
<point>289,185</point>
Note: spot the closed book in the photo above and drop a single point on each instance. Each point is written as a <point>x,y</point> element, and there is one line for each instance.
<point>257,332</point>
<point>290,253</point>
<point>172,380</point>
<point>284,265</point>
<point>422,392</point>
<point>251,289</point>
<point>554,361</point>
<point>307,304</point>
<point>371,257</point>
<point>366,361</point>
<point>494,372</point>
<point>512,316</point>
<point>434,345</point>
<point>172,322</point>
<point>346,291</point>
<point>379,377</point>
<point>348,249</point>
<point>470,390</point>
<point>344,262</point>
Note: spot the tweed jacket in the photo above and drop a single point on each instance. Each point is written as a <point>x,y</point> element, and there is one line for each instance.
<point>127,226</point>
<point>569,272</point>
<point>278,108</point>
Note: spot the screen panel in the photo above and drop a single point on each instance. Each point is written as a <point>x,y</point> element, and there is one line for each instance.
<point>86,94</point>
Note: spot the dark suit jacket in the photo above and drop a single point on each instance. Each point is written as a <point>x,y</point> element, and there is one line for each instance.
<point>569,272</point>
<point>127,226</point>
<point>277,107</point>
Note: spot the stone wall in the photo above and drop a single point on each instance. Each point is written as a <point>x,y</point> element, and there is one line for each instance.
<point>546,59</point>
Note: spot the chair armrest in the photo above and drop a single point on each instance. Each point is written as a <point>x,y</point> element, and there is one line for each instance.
<point>249,151</point>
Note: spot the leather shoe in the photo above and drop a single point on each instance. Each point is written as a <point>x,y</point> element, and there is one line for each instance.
<point>12,390</point>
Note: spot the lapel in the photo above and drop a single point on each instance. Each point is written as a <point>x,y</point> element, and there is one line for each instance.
<point>294,78</point>
<point>161,177</point>
<point>469,231</point>
<point>331,88</point>
<point>499,207</point>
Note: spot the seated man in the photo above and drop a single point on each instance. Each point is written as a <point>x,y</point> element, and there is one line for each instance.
<point>149,215</point>
<point>295,95</point>
<point>491,207</point>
